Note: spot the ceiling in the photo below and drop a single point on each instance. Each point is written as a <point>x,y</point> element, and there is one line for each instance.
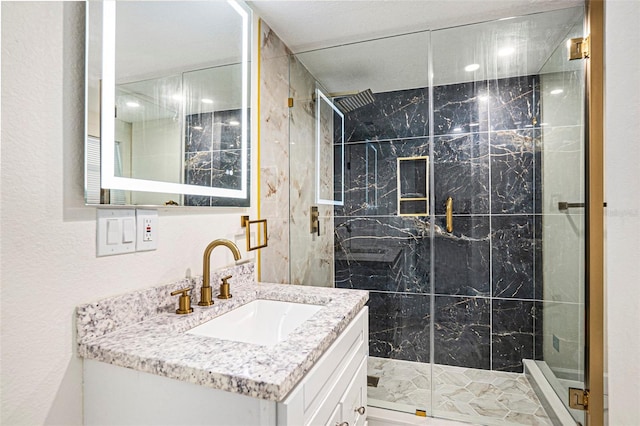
<point>312,24</point>
<point>354,45</point>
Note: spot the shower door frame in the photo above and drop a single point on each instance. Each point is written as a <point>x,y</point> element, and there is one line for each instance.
<point>594,333</point>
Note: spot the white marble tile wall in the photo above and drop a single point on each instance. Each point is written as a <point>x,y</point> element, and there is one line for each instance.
<point>311,254</point>
<point>274,154</point>
<point>294,255</point>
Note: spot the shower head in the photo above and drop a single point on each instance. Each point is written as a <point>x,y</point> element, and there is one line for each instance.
<point>352,102</point>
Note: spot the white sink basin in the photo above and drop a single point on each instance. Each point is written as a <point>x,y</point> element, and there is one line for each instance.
<point>261,322</point>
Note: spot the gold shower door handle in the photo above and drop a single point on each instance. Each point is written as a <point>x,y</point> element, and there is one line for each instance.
<point>449,207</point>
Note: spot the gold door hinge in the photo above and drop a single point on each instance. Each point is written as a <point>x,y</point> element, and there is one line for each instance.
<point>578,48</point>
<point>290,102</point>
<point>579,399</point>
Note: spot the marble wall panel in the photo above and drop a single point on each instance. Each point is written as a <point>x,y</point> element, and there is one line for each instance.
<point>462,258</point>
<point>461,170</point>
<point>514,103</point>
<point>393,115</point>
<point>512,256</point>
<point>311,255</point>
<point>199,132</point>
<point>198,168</point>
<point>399,326</point>
<point>460,108</point>
<point>512,171</point>
<point>213,157</point>
<point>538,331</point>
<point>382,253</point>
<point>512,334</point>
<point>274,154</point>
<point>487,156</point>
<point>462,331</point>
<point>371,175</point>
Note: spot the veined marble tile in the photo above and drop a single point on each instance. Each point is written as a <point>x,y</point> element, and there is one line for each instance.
<point>453,401</point>
<point>488,407</point>
<point>518,403</point>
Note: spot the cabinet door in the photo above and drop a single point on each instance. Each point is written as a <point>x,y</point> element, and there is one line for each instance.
<point>354,400</point>
<point>334,419</point>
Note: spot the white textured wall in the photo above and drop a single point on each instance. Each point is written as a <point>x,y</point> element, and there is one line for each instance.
<point>622,146</point>
<point>48,236</point>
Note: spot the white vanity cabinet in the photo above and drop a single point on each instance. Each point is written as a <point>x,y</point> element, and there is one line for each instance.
<point>333,392</point>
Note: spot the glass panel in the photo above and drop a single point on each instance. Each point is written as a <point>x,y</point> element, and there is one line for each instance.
<point>508,280</point>
<point>315,158</point>
<point>372,246</point>
<point>563,229</point>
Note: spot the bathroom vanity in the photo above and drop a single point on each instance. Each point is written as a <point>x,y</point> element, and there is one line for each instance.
<point>144,364</point>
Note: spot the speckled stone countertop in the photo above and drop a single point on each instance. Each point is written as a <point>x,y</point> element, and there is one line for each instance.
<point>140,330</point>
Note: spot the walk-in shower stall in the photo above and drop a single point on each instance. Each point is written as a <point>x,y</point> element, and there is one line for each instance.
<point>454,194</point>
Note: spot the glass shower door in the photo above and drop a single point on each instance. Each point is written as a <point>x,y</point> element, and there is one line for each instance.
<point>508,149</point>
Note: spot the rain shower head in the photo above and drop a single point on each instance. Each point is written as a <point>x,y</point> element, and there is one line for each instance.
<point>352,102</point>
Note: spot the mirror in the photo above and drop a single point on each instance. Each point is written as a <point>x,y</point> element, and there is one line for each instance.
<point>329,151</point>
<point>167,103</point>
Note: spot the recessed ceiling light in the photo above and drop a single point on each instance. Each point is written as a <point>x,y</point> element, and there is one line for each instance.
<point>506,19</point>
<point>506,51</point>
<point>132,104</point>
<point>472,67</point>
<point>207,101</point>
<point>483,97</point>
<point>197,127</point>
<point>556,91</point>
<point>457,129</point>
<point>234,123</point>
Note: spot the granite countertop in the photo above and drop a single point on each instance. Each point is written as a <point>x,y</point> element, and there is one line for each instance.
<point>140,330</point>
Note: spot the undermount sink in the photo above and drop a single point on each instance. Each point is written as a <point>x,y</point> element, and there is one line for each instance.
<point>260,322</point>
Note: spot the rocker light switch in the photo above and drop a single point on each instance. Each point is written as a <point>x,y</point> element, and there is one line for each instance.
<point>115,231</point>
<point>128,230</point>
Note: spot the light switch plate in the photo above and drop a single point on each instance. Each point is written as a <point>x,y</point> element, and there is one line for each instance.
<point>110,231</point>
<point>147,229</point>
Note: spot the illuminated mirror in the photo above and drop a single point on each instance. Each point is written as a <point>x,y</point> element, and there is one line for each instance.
<point>329,151</point>
<point>167,103</point>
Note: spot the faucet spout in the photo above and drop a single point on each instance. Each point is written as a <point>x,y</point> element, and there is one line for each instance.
<point>206,298</point>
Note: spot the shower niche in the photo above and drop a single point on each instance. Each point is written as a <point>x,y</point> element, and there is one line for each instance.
<point>413,186</point>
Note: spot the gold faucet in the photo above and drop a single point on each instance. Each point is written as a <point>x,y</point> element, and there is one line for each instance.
<point>205,292</point>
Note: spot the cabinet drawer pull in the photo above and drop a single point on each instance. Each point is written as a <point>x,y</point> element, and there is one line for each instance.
<point>360,410</point>
<point>342,424</point>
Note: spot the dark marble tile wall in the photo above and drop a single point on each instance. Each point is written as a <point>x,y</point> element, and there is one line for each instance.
<point>486,280</point>
<point>213,156</point>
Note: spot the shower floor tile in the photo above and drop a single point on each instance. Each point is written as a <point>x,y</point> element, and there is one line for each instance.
<point>463,394</point>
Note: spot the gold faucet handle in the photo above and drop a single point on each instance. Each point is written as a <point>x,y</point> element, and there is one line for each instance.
<point>184,303</point>
<point>225,288</point>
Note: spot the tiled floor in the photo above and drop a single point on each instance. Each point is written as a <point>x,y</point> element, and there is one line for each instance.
<point>463,394</point>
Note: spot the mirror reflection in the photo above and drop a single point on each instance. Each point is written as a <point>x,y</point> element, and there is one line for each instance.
<point>176,76</point>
